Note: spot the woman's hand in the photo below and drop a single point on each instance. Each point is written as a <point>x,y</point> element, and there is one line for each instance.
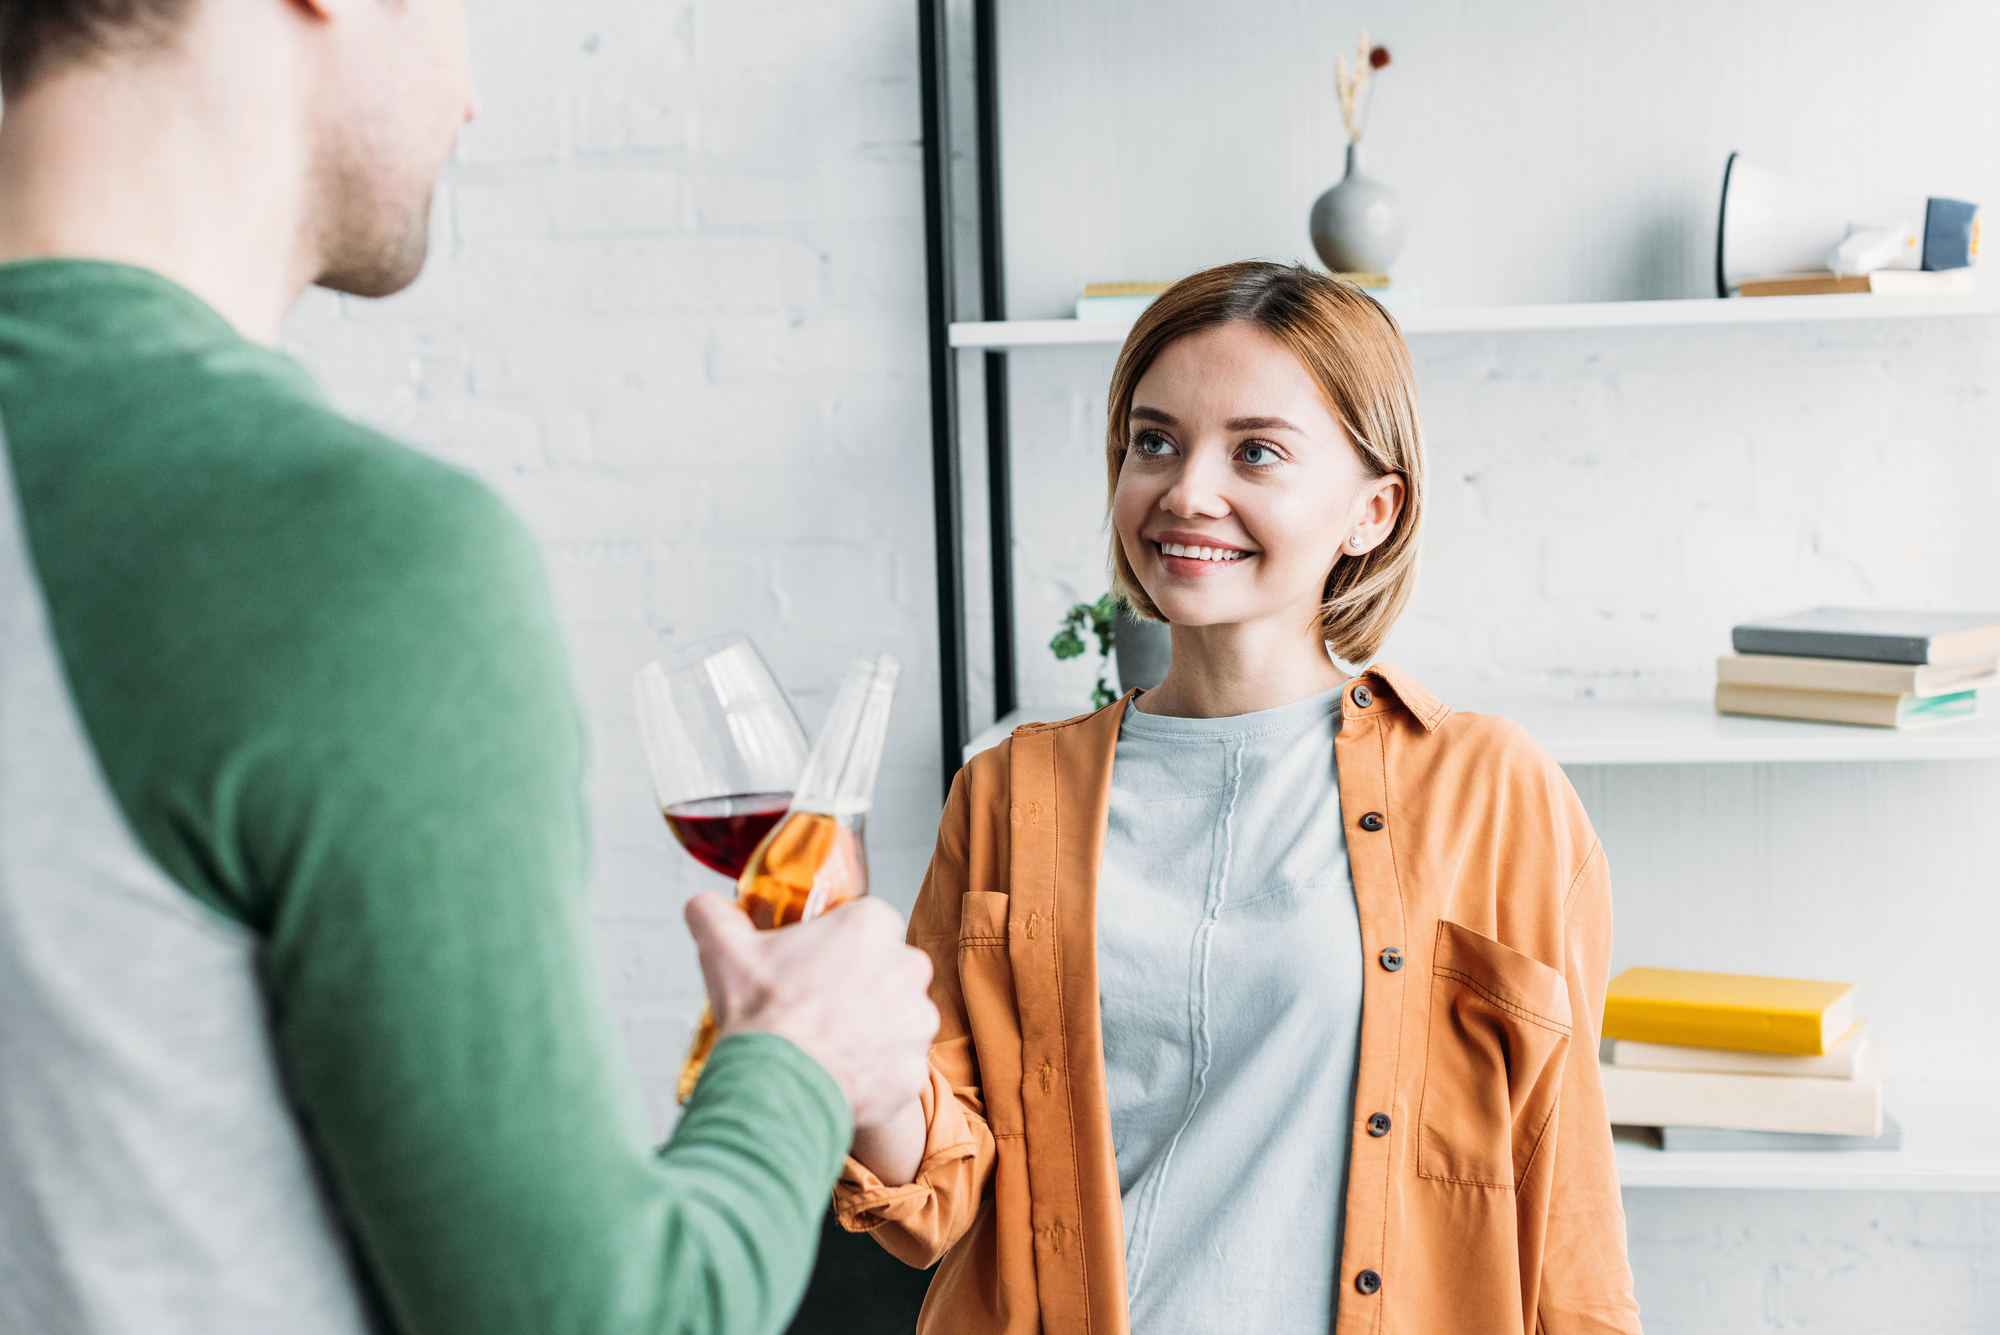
<point>893,1149</point>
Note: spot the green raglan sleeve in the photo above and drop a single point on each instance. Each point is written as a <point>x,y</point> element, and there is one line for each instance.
<point>324,677</point>
<point>438,1012</point>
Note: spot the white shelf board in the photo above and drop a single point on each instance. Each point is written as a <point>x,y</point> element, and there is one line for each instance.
<point>1690,732</point>
<point>1951,1142</point>
<point>1663,732</point>
<point>1567,315</point>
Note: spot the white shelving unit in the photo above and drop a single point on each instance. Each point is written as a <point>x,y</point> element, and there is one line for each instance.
<point>1949,1144</point>
<point>1571,315</point>
<point>1664,732</point>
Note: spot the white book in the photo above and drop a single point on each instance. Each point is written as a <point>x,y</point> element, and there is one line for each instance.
<point>1744,1102</point>
<point>1855,676</point>
<point>1843,1063</point>
<point>1920,282</point>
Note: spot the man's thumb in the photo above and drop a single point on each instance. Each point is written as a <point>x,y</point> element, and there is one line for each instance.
<point>723,936</point>
<point>718,926</point>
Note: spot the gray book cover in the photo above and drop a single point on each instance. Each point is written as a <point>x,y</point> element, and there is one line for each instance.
<point>1871,635</point>
<point>1700,1138</point>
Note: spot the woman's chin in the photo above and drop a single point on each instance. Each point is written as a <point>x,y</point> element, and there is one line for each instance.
<point>1192,612</point>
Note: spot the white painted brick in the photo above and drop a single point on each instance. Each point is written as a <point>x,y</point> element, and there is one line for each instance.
<point>521,49</point>
<point>1849,1262</point>
<point>630,202</point>
<point>634,122</point>
<point>600,582</point>
<point>517,130</point>
<point>566,436</point>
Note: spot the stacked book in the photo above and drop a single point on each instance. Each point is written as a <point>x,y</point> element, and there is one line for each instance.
<point>1846,665</point>
<point>1123,302</point>
<point>1722,1061</point>
<point>1885,282</point>
<point>1117,301</point>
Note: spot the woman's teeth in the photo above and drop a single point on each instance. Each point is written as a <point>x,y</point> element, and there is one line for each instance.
<point>1200,553</point>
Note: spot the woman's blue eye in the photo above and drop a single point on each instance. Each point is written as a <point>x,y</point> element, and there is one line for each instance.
<point>1259,454</point>
<point>1154,445</point>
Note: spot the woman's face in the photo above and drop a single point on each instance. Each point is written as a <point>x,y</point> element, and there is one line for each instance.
<point>1232,448</point>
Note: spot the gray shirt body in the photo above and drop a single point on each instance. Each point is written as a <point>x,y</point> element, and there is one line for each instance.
<point>1229,971</point>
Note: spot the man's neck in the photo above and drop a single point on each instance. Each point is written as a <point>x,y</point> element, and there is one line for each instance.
<point>199,176</point>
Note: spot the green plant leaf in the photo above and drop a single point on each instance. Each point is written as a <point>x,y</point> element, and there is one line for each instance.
<point>1102,695</point>
<point>1101,617</point>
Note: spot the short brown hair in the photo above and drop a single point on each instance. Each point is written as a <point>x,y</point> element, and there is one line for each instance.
<point>38,37</point>
<point>1355,350</point>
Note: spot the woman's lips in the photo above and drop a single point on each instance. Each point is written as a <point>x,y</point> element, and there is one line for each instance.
<point>1195,558</point>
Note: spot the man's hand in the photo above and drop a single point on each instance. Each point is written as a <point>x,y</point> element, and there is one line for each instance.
<point>844,988</point>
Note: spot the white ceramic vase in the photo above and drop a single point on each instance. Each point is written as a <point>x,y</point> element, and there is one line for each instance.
<point>1358,225</point>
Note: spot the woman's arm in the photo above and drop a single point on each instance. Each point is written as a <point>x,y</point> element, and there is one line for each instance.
<point>916,1182</point>
<point>894,1150</point>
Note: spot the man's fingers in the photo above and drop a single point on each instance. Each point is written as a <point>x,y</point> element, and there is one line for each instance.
<point>870,916</point>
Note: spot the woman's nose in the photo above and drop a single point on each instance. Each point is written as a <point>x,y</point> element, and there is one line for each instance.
<point>1199,490</point>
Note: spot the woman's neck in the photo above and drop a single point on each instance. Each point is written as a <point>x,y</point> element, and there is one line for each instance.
<point>1222,671</point>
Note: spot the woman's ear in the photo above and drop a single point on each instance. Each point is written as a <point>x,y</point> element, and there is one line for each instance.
<point>1381,500</point>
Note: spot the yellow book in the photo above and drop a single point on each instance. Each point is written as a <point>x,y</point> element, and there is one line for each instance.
<point>1728,1010</point>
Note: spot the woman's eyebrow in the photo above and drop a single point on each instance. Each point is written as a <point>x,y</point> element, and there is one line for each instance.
<point>1260,424</point>
<point>1154,415</point>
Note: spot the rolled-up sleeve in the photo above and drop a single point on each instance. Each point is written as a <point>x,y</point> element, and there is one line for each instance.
<point>917,1223</point>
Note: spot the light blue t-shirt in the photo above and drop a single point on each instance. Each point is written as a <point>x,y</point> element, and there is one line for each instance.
<point>1229,971</point>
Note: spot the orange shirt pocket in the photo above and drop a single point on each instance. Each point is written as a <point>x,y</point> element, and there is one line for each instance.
<point>1499,1033</point>
<point>986,982</point>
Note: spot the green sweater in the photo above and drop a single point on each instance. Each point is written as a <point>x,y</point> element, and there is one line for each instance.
<point>299,1019</point>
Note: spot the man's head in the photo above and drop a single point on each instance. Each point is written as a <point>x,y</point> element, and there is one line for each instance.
<point>38,37</point>
<point>376,90</point>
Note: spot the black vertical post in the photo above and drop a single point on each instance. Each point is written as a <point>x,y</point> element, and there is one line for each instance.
<point>993,306</point>
<point>945,489</point>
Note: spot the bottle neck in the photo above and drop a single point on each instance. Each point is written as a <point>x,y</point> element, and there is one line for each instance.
<point>1353,158</point>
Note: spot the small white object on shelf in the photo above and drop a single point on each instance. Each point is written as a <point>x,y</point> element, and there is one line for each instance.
<point>1567,315</point>
<point>1659,732</point>
<point>1948,1145</point>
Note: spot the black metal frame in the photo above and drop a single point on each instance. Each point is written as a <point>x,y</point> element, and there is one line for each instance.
<point>993,306</point>
<point>945,489</point>
<point>946,481</point>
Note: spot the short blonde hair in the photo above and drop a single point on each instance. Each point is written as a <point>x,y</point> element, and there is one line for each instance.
<point>1354,349</point>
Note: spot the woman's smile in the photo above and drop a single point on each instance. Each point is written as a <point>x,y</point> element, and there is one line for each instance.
<point>1196,555</point>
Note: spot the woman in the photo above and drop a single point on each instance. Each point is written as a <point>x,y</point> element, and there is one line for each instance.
<point>1270,999</point>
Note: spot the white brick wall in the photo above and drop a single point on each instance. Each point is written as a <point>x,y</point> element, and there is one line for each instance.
<point>1720,1263</point>
<point>675,314</point>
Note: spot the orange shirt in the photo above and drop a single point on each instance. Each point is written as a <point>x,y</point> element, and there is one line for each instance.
<point>1482,1192</point>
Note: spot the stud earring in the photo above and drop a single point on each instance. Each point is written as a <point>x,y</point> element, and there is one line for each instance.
<point>1355,542</point>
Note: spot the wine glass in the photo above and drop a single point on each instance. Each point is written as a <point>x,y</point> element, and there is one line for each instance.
<point>725,751</point>
<point>723,745</point>
<point>814,860</point>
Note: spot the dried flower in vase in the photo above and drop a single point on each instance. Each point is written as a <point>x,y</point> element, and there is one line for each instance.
<point>1352,85</point>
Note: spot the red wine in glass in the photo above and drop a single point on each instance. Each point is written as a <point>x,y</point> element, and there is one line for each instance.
<point>722,832</point>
